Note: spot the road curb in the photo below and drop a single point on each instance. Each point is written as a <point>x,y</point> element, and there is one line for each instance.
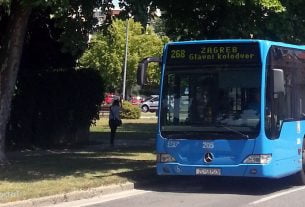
<point>71,196</point>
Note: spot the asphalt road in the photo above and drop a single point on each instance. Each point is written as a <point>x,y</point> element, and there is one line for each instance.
<point>205,192</point>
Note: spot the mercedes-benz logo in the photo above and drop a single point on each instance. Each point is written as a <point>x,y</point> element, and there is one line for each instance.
<point>208,157</point>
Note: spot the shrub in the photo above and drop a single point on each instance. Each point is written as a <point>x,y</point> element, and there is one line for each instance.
<point>130,111</point>
<point>55,108</point>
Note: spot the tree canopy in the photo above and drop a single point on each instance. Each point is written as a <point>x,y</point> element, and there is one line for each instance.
<point>278,20</point>
<point>73,18</point>
<point>106,52</point>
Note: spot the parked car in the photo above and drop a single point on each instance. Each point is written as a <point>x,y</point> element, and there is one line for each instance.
<point>109,97</point>
<point>136,100</point>
<point>150,104</point>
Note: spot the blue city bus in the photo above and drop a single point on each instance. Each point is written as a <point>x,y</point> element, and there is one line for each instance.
<point>231,108</point>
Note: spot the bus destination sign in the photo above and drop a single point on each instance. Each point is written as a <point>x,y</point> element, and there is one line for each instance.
<point>218,53</point>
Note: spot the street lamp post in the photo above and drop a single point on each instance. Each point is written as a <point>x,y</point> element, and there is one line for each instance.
<point>125,62</point>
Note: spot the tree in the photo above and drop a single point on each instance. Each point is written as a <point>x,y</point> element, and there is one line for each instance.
<point>217,19</point>
<point>214,19</point>
<point>141,10</point>
<point>106,52</point>
<point>278,20</point>
<point>10,54</point>
<point>287,26</point>
<point>264,19</point>
<point>76,17</point>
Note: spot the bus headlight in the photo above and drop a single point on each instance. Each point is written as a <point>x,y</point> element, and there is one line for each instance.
<point>258,159</point>
<point>165,158</point>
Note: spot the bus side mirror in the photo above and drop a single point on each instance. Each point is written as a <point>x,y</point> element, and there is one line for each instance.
<point>142,69</point>
<point>278,81</point>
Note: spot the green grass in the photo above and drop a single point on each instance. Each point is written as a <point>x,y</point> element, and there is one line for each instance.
<point>42,173</point>
<point>138,129</point>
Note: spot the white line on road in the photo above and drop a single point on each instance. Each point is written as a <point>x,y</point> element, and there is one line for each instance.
<point>102,199</point>
<point>277,195</point>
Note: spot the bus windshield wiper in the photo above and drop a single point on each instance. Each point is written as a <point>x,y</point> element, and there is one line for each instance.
<point>193,134</point>
<point>233,130</point>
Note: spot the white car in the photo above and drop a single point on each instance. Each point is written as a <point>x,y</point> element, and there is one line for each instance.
<point>151,104</point>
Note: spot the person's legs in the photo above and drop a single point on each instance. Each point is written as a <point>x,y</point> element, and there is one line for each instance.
<point>112,135</point>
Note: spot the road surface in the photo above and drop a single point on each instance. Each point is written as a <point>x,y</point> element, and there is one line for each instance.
<point>204,192</point>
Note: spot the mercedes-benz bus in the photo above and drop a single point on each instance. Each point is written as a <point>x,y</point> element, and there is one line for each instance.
<point>231,108</point>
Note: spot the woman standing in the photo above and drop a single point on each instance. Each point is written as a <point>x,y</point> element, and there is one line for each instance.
<point>114,119</point>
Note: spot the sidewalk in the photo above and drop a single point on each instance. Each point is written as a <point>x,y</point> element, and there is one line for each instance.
<point>72,196</point>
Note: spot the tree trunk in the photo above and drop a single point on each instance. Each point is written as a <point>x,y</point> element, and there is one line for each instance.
<point>10,55</point>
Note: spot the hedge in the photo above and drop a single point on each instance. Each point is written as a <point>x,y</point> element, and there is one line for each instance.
<point>55,108</point>
<point>130,111</point>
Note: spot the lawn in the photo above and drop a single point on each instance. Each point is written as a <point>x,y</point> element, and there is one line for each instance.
<point>48,172</point>
<point>138,129</point>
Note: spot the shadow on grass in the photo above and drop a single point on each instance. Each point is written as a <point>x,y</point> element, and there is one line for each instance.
<point>36,166</point>
<point>138,127</point>
<point>129,131</point>
<point>99,159</point>
<point>104,137</point>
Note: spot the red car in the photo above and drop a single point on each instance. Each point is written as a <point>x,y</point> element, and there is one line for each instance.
<point>136,100</point>
<point>108,98</point>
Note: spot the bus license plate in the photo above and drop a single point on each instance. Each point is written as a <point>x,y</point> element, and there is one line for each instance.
<point>208,171</point>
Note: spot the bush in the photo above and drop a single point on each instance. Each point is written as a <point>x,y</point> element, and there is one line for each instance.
<point>55,108</point>
<point>130,111</point>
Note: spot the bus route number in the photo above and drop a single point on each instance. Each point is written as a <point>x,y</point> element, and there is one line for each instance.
<point>176,54</point>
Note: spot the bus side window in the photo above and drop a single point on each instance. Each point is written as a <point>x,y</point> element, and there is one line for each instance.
<point>285,84</point>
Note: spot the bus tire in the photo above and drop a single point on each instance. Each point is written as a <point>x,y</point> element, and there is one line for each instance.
<point>299,177</point>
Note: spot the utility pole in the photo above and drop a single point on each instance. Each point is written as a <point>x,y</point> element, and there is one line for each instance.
<point>125,61</point>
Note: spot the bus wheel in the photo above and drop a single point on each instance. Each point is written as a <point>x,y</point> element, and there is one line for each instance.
<point>299,178</point>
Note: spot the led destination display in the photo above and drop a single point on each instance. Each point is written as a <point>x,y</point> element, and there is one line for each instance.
<point>225,53</point>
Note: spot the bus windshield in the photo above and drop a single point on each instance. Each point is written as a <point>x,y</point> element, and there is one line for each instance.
<point>211,102</point>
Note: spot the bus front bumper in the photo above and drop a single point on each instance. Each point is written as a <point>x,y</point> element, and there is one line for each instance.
<point>242,170</point>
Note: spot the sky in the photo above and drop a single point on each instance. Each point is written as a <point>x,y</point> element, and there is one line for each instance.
<point>116,3</point>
